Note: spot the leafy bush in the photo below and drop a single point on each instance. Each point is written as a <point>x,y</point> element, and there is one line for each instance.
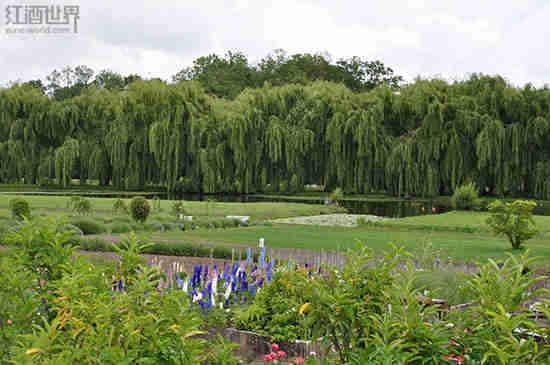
<point>42,249</point>
<point>275,311</point>
<point>160,248</point>
<point>138,324</point>
<point>18,303</point>
<point>513,220</point>
<point>80,205</point>
<point>120,207</point>
<point>178,208</point>
<point>465,197</point>
<point>337,195</point>
<point>88,225</point>
<point>19,208</point>
<point>140,209</point>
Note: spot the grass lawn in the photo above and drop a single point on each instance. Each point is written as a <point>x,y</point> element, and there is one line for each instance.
<point>464,247</point>
<point>455,221</point>
<point>460,235</point>
<point>57,206</point>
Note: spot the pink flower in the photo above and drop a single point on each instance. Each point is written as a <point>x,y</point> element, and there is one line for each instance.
<point>299,360</point>
<point>267,358</point>
<point>281,354</point>
<point>433,209</point>
<point>273,355</point>
<point>274,347</point>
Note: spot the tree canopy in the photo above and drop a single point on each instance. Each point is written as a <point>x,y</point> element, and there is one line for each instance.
<point>226,126</point>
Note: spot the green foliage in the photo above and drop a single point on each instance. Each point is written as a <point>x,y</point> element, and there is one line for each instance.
<point>88,225</point>
<point>294,185</point>
<point>140,209</point>
<point>129,250</point>
<point>120,207</point>
<point>156,204</point>
<point>513,220</point>
<point>178,208</point>
<point>139,325</point>
<point>120,227</point>
<point>19,208</point>
<point>80,205</point>
<point>275,311</point>
<point>331,124</point>
<point>495,328</point>
<point>18,303</point>
<point>337,195</point>
<point>465,197</point>
<point>159,248</point>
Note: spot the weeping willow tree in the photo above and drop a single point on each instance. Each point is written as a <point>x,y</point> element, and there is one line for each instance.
<point>425,140</point>
<point>65,157</point>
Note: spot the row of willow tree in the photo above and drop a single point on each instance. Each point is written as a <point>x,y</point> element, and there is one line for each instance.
<point>423,140</point>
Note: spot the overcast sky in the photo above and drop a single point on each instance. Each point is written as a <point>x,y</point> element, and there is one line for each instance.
<point>429,38</point>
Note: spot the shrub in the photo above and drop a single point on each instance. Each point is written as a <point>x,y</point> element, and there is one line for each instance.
<point>140,209</point>
<point>19,208</point>
<point>120,207</point>
<point>337,195</point>
<point>177,208</point>
<point>80,205</point>
<point>465,197</point>
<point>271,313</point>
<point>88,225</point>
<point>513,220</point>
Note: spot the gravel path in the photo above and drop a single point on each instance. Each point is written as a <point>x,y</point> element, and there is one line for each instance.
<point>346,220</point>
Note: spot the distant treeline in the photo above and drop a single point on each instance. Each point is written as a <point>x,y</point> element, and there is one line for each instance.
<point>224,125</point>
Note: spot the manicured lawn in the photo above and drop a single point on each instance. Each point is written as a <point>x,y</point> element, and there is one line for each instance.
<point>460,235</point>
<point>57,206</point>
<point>457,219</point>
<point>460,246</point>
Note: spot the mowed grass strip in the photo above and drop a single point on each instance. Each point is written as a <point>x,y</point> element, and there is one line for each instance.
<point>455,220</point>
<point>57,206</point>
<point>463,247</point>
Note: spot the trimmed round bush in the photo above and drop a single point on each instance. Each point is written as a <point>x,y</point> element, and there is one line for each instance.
<point>20,208</point>
<point>89,226</point>
<point>140,209</point>
<point>466,197</point>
